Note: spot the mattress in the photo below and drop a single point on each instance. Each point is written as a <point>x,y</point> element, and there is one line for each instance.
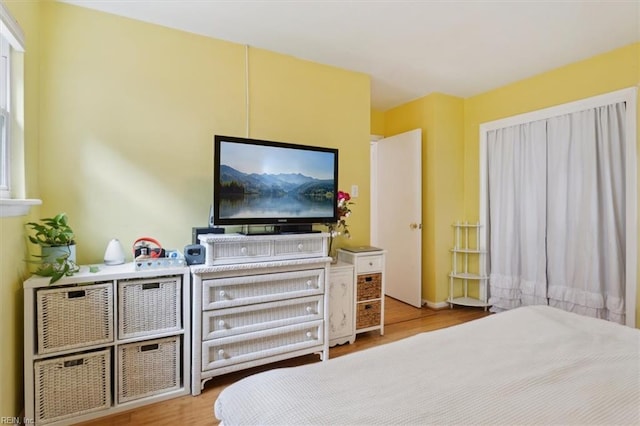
<point>531,365</point>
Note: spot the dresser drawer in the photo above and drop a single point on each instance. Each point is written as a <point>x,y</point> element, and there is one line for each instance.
<point>369,286</point>
<point>236,291</point>
<point>369,264</point>
<point>242,251</point>
<point>244,319</point>
<point>297,247</point>
<point>251,346</point>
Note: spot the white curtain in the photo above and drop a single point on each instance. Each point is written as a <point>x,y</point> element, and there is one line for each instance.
<point>517,218</point>
<point>585,212</point>
<point>556,213</point>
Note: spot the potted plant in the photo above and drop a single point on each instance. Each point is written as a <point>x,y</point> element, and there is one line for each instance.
<point>56,240</point>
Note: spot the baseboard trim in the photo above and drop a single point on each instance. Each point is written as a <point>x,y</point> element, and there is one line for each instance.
<point>435,305</point>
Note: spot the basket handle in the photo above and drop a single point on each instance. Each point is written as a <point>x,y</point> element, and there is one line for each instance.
<point>151,347</point>
<point>150,286</point>
<point>76,294</point>
<point>74,362</point>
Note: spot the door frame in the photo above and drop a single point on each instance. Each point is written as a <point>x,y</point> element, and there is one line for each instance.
<point>373,164</point>
<point>629,96</point>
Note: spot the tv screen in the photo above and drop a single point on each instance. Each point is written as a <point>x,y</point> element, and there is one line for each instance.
<point>259,182</point>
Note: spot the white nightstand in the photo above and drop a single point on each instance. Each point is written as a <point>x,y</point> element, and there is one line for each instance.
<point>369,286</point>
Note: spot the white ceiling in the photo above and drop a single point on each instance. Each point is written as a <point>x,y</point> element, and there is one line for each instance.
<point>409,48</point>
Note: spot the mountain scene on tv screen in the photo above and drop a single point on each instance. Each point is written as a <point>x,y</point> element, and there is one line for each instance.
<point>280,195</point>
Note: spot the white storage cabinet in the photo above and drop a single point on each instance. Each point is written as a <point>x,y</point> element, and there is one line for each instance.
<point>369,278</point>
<point>258,299</point>
<point>342,318</point>
<point>99,343</point>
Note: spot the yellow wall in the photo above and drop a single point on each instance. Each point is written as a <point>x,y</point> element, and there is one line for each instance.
<point>604,73</point>
<point>12,273</point>
<point>440,118</point>
<point>133,107</point>
<point>12,241</point>
<point>377,122</point>
<point>120,119</point>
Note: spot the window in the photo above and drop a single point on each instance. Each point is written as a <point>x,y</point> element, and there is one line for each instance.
<point>5,118</point>
<point>12,179</point>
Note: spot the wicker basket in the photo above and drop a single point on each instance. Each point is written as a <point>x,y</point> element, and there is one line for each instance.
<point>147,307</point>
<point>368,315</point>
<point>148,368</point>
<point>72,386</point>
<point>73,317</point>
<point>369,286</point>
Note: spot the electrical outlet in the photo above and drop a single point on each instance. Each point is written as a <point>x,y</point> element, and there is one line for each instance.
<point>354,191</point>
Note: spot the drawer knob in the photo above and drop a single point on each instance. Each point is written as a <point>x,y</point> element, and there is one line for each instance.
<point>221,353</point>
<point>310,310</point>
<point>309,283</point>
<point>309,335</point>
<point>300,247</point>
<point>222,293</point>
<point>221,324</point>
<point>370,263</point>
<point>243,250</point>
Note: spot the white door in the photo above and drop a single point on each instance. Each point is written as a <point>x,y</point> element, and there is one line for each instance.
<point>396,212</point>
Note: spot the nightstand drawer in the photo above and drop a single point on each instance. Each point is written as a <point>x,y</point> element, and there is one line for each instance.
<point>369,314</point>
<point>369,264</point>
<point>369,286</point>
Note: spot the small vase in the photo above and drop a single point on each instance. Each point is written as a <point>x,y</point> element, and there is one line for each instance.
<point>332,252</point>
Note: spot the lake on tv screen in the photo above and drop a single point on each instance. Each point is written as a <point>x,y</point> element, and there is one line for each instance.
<point>263,206</point>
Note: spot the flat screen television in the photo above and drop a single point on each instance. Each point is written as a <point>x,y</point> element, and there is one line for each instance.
<point>259,182</point>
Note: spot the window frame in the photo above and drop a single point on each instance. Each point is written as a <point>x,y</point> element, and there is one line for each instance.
<point>9,207</point>
<point>5,113</point>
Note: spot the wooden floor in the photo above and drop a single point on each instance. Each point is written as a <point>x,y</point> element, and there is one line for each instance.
<point>401,321</point>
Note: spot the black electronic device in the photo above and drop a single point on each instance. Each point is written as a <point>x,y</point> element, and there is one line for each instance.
<point>195,232</point>
<point>194,254</point>
<point>259,182</point>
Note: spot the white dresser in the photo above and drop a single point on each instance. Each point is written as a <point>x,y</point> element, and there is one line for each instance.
<point>98,343</point>
<point>258,299</point>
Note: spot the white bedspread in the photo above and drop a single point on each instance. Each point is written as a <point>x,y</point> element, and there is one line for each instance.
<point>533,365</point>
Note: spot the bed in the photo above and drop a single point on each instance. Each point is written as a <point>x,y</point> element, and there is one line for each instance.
<point>531,365</point>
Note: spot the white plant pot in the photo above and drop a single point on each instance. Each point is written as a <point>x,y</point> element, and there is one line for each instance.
<point>52,253</point>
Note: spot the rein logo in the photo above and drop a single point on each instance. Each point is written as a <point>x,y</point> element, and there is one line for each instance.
<point>4,420</point>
